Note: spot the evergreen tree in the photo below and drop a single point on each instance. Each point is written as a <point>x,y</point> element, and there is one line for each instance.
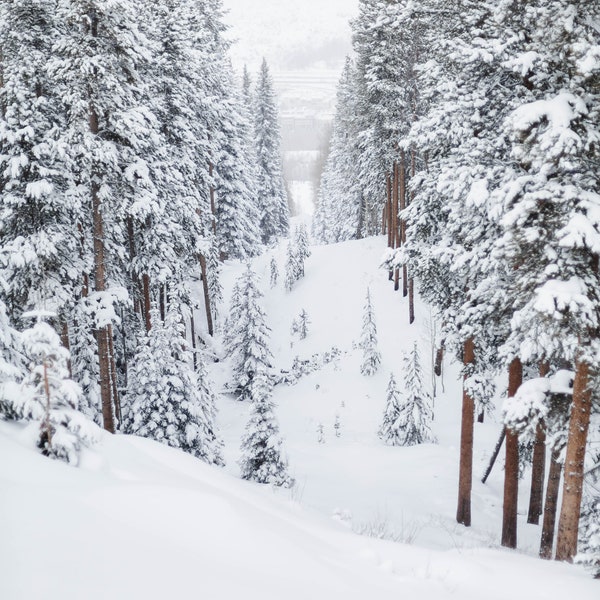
<point>274,272</point>
<point>40,254</point>
<point>250,337</point>
<point>262,459</point>
<point>416,415</point>
<point>50,397</point>
<point>337,215</point>
<point>589,535</point>
<point>368,340</point>
<point>272,197</point>
<point>294,266</point>
<point>168,401</point>
<point>391,431</point>
<point>12,367</point>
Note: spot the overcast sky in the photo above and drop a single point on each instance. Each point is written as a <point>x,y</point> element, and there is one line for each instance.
<point>291,34</point>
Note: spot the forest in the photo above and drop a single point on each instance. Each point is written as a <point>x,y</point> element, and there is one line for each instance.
<point>158,285</point>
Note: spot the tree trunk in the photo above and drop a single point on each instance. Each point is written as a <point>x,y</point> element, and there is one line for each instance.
<point>411,283</point>
<point>390,218</point>
<point>568,524</point>
<point>511,465</point>
<point>161,302</point>
<point>64,339</point>
<point>465,477</point>
<point>113,373</point>
<point>494,455</point>
<point>402,226</point>
<point>395,235</point>
<point>106,391</point>
<point>538,472</point>
<point>147,305</point>
<point>411,301</point>
<point>193,334</point>
<point>439,359</point>
<point>209,319</point>
<point>550,506</point>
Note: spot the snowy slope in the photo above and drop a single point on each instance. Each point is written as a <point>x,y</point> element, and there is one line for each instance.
<point>140,520</point>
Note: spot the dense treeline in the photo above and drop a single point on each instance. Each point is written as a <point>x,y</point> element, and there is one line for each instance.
<point>468,132</point>
<point>129,160</point>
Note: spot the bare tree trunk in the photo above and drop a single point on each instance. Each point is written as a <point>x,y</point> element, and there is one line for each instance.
<point>132,253</point>
<point>161,302</point>
<point>401,237</point>
<point>64,339</point>
<point>439,359</point>
<point>395,235</point>
<point>511,465</point>
<point>538,472</point>
<point>551,505</point>
<point>411,283</point>
<point>113,374</point>
<point>390,218</point>
<point>209,319</point>
<point>106,391</point>
<point>147,305</point>
<point>568,524</point>
<point>494,456</point>
<point>193,334</point>
<point>465,477</point>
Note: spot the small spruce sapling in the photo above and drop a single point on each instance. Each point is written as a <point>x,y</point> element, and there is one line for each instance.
<point>262,459</point>
<point>337,426</point>
<point>390,431</point>
<point>416,414</point>
<point>293,269</point>
<point>300,325</point>
<point>320,434</point>
<point>250,336</point>
<point>368,340</point>
<point>274,272</point>
<point>51,397</point>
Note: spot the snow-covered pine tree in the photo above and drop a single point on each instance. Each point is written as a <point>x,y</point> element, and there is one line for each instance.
<point>302,323</point>
<point>237,213</point>
<point>274,272</point>
<point>168,401</point>
<point>50,397</point>
<point>302,243</point>
<point>262,460</point>
<point>96,68</point>
<point>40,253</point>
<point>337,215</point>
<point>233,318</point>
<point>368,339</point>
<point>589,535</point>
<point>294,266</point>
<point>390,431</point>
<point>272,197</point>
<point>416,415</point>
<point>249,346</point>
<point>12,368</point>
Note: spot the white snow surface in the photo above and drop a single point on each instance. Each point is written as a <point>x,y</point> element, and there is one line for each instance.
<point>141,520</point>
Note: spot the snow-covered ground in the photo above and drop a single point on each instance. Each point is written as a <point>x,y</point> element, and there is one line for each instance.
<point>140,520</point>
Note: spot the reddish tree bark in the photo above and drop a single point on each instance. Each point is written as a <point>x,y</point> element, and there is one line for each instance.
<point>465,477</point>
<point>568,524</point>
<point>147,305</point>
<point>511,466</point>
<point>209,319</point>
<point>538,473</point>
<point>551,505</point>
<point>395,233</point>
